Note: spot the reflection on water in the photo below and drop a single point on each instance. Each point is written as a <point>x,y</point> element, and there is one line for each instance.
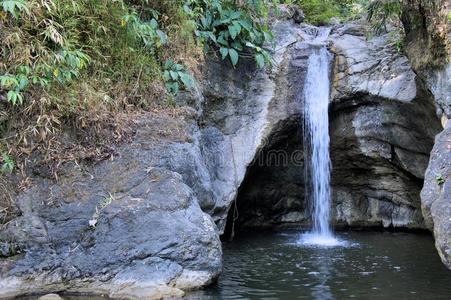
<point>373,265</point>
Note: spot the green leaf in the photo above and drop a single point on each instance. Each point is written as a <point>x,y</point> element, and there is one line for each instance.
<point>187,80</point>
<point>260,59</point>
<point>237,45</point>
<point>8,82</point>
<point>172,88</point>
<point>153,24</point>
<point>234,30</point>
<point>233,56</point>
<point>222,41</point>
<point>250,45</point>
<point>162,36</point>
<point>166,76</point>
<point>246,24</point>
<point>7,164</point>
<point>168,64</point>
<point>14,7</point>
<point>235,14</point>
<point>224,52</point>
<point>178,67</point>
<point>23,83</point>
<point>14,97</point>
<point>174,75</point>
<point>211,36</point>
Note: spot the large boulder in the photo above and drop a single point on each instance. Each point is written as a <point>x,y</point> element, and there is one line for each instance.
<point>436,195</point>
<point>129,227</point>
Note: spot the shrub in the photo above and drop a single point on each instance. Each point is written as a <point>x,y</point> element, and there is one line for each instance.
<point>78,63</point>
<point>55,40</point>
<point>236,30</point>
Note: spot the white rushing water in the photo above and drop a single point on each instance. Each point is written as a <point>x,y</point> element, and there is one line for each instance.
<point>316,143</point>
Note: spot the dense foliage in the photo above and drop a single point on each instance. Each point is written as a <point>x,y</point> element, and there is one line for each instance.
<point>235,29</point>
<point>77,63</point>
<point>53,41</point>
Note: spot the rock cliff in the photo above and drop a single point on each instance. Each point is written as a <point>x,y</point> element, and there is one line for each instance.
<point>383,125</point>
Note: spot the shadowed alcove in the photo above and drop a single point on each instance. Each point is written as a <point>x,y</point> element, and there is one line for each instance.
<point>272,193</point>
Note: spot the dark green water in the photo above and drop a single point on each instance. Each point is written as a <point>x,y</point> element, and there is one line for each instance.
<point>374,265</point>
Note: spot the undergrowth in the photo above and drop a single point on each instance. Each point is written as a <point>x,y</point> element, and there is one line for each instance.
<point>83,67</point>
<point>74,73</point>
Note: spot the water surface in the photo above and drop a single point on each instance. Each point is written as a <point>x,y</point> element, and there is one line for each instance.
<point>372,265</point>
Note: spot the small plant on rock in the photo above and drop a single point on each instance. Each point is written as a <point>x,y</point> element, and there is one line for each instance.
<point>103,204</point>
<point>7,165</point>
<point>176,77</point>
<point>440,179</point>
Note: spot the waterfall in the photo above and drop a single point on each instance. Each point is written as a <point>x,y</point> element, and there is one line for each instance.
<point>316,142</point>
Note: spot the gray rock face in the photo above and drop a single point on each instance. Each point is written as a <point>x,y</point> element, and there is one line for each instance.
<point>127,227</point>
<point>370,67</point>
<point>382,127</point>
<point>428,46</point>
<point>243,107</point>
<point>436,195</point>
<point>439,82</point>
<point>428,33</point>
<point>272,194</point>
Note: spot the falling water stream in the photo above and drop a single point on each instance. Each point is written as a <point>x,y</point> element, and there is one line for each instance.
<point>316,142</point>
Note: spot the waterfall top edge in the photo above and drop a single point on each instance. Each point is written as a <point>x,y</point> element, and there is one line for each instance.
<point>320,38</point>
